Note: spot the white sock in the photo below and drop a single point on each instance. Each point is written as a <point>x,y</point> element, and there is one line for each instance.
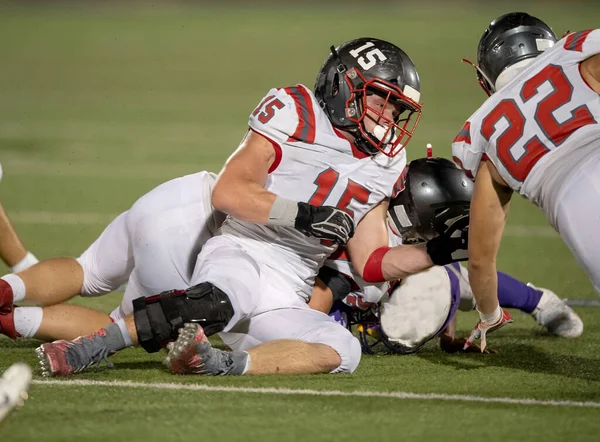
<point>28,320</point>
<point>17,285</point>
<point>123,327</point>
<point>25,263</point>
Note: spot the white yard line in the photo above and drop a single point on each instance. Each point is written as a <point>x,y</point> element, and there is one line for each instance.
<point>337,393</point>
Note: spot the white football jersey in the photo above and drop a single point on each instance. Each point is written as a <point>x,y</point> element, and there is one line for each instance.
<point>314,164</point>
<point>363,294</point>
<point>538,127</point>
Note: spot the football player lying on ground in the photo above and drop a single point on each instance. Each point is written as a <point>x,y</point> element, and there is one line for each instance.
<point>424,305</point>
<point>12,251</point>
<point>343,146</point>
<point>66,321</point>
<point>537,135</point>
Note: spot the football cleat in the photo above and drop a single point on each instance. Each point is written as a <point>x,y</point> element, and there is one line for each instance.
<point>556,316</point>
<point>14,385</point>
<point>7,324</point>
<point>64,358</point>
<point>183,357</point>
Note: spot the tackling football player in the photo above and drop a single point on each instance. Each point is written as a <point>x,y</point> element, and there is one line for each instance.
<point>537,135</point>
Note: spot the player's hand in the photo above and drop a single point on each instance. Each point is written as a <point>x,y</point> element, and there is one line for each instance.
<point>452,245</point>
<point>482,328</point>
<point>324,222</point>
<point>457,345</point>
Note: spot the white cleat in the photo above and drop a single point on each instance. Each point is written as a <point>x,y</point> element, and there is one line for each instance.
<point>556,316</point>
<point>14,385</point>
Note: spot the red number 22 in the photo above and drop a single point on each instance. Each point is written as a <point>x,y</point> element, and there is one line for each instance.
<point>556,132</point>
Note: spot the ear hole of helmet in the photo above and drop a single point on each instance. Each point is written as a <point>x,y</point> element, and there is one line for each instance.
<point>335,87</point>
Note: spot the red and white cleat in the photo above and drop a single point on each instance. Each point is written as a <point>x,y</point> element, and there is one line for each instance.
<point>64,358</point>
<point>183,357</point>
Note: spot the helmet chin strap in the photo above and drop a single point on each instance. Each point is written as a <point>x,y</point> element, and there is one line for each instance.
<point>378,134</point>
<point>383,134</point>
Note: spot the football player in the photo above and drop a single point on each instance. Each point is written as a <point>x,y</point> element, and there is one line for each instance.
<point>424,305</point>
<point>311,167</point>
<point>537,135</point>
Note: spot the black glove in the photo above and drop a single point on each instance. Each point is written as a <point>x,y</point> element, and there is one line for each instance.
<point>324,222</point>
<point>452,244</point>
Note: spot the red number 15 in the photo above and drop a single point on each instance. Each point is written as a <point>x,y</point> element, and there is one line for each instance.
<point>325,183</point>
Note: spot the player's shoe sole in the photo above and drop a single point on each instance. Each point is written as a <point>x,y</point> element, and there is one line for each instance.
<point>183,357</point>
<point>14,385</point>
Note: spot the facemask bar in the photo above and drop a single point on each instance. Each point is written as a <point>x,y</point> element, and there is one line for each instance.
<point>396,135</point>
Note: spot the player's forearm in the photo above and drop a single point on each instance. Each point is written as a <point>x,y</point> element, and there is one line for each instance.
<point>402,261</point>
<point>244,200</point>
<point>484,284</point>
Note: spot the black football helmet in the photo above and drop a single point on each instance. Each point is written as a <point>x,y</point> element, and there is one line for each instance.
<point>363,67</point>
<point>435,191</point>
<point>509,39</point>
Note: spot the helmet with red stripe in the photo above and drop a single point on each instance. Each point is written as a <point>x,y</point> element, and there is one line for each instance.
<point>359,69</point>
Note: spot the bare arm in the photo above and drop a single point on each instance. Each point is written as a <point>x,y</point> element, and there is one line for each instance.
<point>372,234</point>
<point>590,71</point>
<point>239,190</point>
<point>489,209</point>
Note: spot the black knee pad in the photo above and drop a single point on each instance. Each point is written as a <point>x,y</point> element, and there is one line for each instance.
<point>158,318</point>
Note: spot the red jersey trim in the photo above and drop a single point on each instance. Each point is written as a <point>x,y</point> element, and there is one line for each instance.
<point>340,253</point>
<point>356,152</point>
<point>276,148</point>
<point>305,131</point>
<point>574,42</point>
<point>400,183</point>
<point>464,136</point>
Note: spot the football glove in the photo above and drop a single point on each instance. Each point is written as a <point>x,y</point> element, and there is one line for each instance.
<point>324,222</point>
<point>482,328</point>
<point>452,245</point>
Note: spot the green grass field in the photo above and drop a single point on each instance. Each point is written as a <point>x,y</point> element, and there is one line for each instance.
<point>99,105</point>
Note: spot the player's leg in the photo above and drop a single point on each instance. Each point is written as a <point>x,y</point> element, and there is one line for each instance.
<point>577,218</point>
<point>542,304</point>
<point>62,321</point>
<point>157,319</point>
<point>12,251</point>
<point>102,268</point>
<point>291,341</point>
